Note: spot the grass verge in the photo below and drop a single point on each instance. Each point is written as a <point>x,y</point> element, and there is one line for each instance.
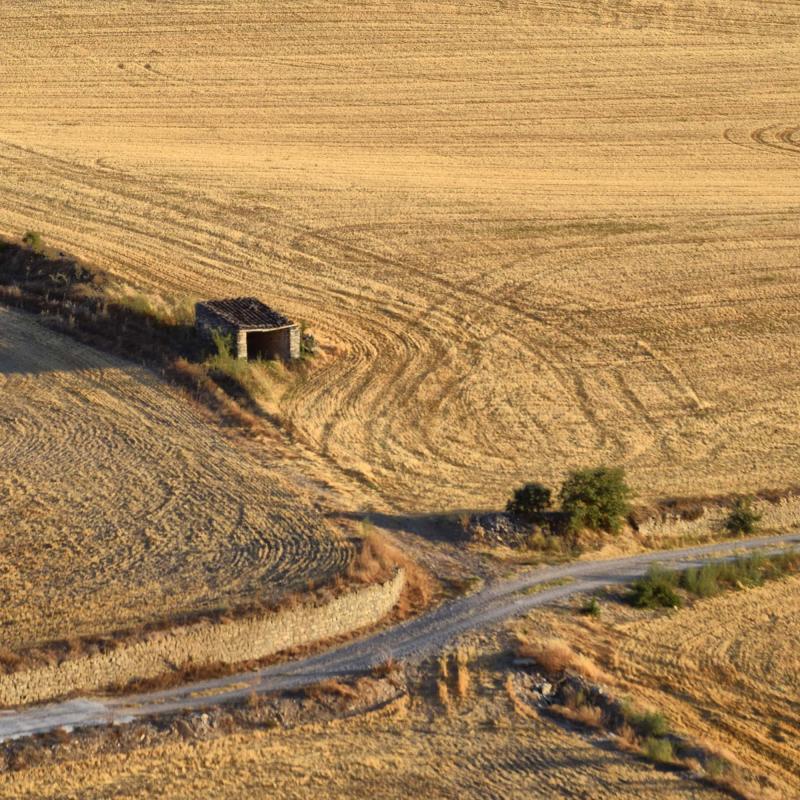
<point>663,588</point>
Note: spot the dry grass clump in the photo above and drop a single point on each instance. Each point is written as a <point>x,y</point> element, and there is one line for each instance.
<point>575,706</point>
<point>377,559</point>
<point>453,677</point>
<point>587,714</point>
<point>389,666</point>
<point>9,660</point>
<point>659,751</point>
<point>443,693</point>
<point>462,673</point>
<point>444,670</point>
<point>556,656</point>
<point>329,686</point>
<point>204,388</point>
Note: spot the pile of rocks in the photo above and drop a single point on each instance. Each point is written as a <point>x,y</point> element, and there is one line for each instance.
<point>499,528</point>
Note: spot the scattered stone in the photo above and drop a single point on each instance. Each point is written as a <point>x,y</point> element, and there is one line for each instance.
<point>184,729</point>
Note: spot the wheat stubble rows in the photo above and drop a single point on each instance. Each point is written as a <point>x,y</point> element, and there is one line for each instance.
<point>541,234</point>
<point>727,671</point>
<point>120,506</point>
<point>483,751</point>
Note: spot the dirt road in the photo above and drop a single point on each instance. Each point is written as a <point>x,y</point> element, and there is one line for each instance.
<point>409,641</point>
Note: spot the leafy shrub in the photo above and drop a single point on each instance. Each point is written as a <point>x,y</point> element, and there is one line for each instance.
<point>592,608</point>
<point>703,582</point>
<point>308,344</point>
<point>782,563</point>
<point>529,500</point>
<point>33,240</point>
<point>657,587</point>
<point>646,723</point>
<point>655,590</point>
<point>595,498</point>
<point>223,344</point>
<point>748,570</point>
<point>659,750</point>
<point>742,520</point>
<point>227,364</point>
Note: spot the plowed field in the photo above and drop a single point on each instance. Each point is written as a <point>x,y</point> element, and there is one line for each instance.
<point>119,505</point>
<point>542,234</point>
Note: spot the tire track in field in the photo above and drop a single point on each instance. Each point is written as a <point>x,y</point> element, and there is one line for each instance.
<point>482,349</point>
<point>127,506</point>
<point>727,668</point>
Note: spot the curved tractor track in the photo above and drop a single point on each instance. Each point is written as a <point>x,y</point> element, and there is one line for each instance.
<point>529,254</point>
<point>408,641</point>
<point>119,505</point>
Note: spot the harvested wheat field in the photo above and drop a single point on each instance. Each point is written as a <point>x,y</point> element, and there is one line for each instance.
<point>481,750</point>
<point>120,506</point>
<point>725,671</point>
<point>541,234</point>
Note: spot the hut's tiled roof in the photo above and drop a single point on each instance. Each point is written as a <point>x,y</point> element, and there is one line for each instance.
<point>247,312</point>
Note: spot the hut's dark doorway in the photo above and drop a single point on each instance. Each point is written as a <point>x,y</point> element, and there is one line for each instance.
<point>268,344</point>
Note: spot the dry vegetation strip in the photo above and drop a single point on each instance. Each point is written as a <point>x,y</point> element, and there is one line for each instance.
<point>577,696</point>
<point>98,309</point>
<point>482,748</point>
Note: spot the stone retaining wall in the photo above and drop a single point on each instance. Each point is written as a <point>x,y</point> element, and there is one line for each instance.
<point>781,515</point>
<point>206,643</point>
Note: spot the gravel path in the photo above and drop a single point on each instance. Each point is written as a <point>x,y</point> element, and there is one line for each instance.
<point>411,640</point>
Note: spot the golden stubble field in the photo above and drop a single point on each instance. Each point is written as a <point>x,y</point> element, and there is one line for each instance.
<point>120,505</point>
<point>725,671</point>
<point>481,749</point>
<point>541,234</point>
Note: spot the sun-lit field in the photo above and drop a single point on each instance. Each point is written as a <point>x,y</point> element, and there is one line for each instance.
<point>729,671</point>
<point>482,749</point>
<point>119,505</point>
<point>541,234</point>
<point>725,672</point>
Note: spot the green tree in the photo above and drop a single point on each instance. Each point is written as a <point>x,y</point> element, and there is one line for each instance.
<point>595,498</point>
<point>529,500</point>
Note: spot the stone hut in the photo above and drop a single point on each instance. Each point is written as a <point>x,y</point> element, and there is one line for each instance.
<point>256,330</point>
